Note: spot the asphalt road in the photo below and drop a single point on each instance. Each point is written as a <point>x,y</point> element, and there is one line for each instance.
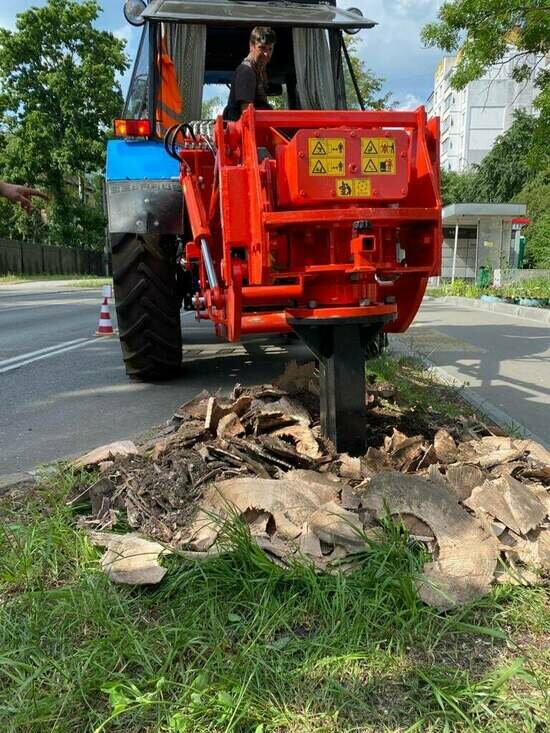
<point>63,391</point>
<point>503,359</point>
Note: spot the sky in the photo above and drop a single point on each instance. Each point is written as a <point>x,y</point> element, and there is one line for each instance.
<point>392,49</point>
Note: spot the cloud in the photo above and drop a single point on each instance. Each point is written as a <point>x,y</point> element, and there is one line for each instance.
<point>393,48</point>
<point>410,101</point>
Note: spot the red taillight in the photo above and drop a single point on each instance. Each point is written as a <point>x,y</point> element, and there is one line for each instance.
<point>132,128</point>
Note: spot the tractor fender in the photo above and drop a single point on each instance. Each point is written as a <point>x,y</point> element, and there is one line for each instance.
<point>143,190</point>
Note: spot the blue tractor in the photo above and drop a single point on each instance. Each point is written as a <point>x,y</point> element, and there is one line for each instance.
<point>185,46</point>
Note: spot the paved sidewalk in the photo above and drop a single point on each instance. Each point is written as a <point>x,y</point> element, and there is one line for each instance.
<point>503,359</point>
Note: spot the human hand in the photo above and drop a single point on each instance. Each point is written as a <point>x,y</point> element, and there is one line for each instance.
<point>20,194</point>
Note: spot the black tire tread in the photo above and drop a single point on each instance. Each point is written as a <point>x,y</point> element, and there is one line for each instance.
<point>147,307</point>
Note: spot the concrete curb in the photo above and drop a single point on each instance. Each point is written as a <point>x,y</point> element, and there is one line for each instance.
<point>494,413</point>
<point>540,315</point>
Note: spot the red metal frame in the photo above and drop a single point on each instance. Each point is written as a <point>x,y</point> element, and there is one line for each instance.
<point>281,231</point>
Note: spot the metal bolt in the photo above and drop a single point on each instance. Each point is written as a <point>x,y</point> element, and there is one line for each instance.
<point>303,194</point>
<point>312,304</point>
<point>364,302</point>
<point>301,154</point>
<point>389,299</point>
<point>146,201</point>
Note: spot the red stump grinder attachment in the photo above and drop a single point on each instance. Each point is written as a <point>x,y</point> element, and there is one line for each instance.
<point>323,223</point>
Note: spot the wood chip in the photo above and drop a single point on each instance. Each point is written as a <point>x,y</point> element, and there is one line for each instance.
<point>130,559</point>
<point>511,502</point>
<point>229,426</point>
<point>195,408</point>
<point>499,456</point>
<point>445,447</point>
<point>535,450</point>
<point>467,554</point>
<point>337,526</point>
<point>106,452</point>
<point>463,478</point>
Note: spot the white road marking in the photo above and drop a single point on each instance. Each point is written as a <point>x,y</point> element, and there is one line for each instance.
<point>50,353</point>
<point>5,362</point>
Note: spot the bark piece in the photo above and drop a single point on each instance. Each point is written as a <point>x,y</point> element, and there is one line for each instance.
<point>349,467</point>
<point>535,450</point>
<point>375,461</point>
<point>106,452</point>
<point>285,452</point>
<point>337,526</point>
<point>490,443</point>
<point>463,478</point>
<point>497,457</point>
<point>296,377</point>
<point>408,451</point>
<point>534,549</point>
<point>289,501</point>
<point>511,502</point>
<point>130,559</point>
<point>214,413</point>
<point>268,416</point>
<point>436,477</point>
<point>230,426</point>
<point>467,554</point>
<point>393,441</point>
<point>302,438</point>
<point>194,408</point>
<point>445,447</point>
<point>350,499</point>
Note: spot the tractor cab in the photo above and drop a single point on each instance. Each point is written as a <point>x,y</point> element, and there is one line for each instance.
<point>189,45</point>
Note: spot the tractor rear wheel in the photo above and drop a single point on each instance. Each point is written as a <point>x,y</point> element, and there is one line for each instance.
<point>147,306</point>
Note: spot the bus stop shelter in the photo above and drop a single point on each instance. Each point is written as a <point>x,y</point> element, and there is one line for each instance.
<point>479,236</point>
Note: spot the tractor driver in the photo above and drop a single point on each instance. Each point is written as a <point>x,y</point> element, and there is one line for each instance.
<point>249,84</point>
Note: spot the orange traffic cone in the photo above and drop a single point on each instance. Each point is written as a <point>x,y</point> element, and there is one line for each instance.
<point>105,325</point>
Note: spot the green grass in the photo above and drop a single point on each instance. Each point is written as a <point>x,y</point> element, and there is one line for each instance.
<point>237,644</point>
<point>80,281</point>
<point>416,387</point>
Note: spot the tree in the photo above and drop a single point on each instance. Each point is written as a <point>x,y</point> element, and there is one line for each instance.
<point>369,84</point>
<point>504,171</point>
<point>58,97</point>
<point>458,188</point>
<point>536,194</point>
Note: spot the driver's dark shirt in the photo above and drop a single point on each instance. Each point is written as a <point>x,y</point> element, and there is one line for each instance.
<point>248,85</point>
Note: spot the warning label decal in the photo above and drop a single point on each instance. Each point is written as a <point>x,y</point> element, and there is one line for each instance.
<point>327,156</point>
<point>378,155</point>
<point>353,187</point>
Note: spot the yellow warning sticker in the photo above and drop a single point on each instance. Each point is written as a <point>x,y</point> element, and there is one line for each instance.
<point>378,155</point>
<point>330,147</point>
<point>378,146</point>
<point>326,166</point>
<point>353,187</point>
<point>327,156</point>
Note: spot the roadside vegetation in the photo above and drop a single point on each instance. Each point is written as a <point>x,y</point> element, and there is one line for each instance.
<point>536,288</point>
<point>237,644</point>
<point>77,281</point>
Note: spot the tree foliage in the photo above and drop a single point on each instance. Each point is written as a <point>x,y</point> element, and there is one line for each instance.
<point>484,30</point>
<point>58,96</point>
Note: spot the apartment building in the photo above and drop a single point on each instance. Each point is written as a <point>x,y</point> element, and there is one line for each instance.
<point>472,118</point>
